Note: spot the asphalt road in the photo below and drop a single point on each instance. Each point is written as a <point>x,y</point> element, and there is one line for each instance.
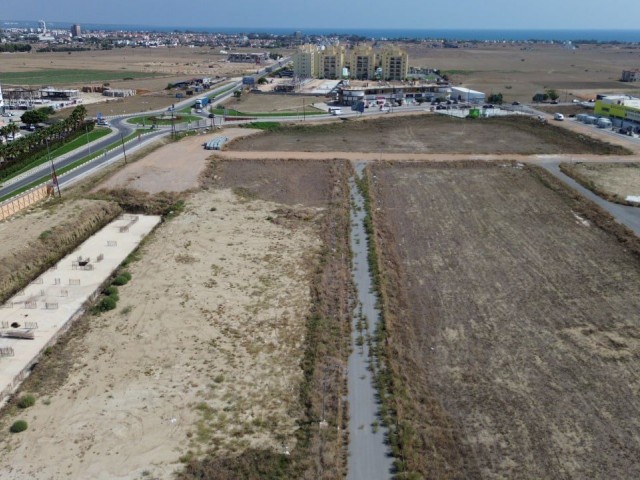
<point>628,216</point>
<point>369,454</point>
<point>122,129</point>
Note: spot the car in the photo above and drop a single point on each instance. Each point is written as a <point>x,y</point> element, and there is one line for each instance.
<point>554,102</point>
<point>212,115</point>
<point>488,106</point>
<point>515,103</point>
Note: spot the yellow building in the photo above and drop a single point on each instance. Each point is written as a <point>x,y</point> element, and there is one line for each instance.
<point>394,62</point>
<point>305,61</point>
<point>330,62</point>
<point>362,62</point>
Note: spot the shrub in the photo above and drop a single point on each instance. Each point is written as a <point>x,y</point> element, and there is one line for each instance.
<point>18,426</point>
<point>26,401</point>
<point>127,275</point>
<point>120,280</point>
<point>111,291</point>
<point>106,304</point>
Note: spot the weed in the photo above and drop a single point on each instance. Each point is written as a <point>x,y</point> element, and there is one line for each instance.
<point>26,401</point>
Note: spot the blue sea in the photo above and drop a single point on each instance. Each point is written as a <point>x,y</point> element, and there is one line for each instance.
<point>627,36</point>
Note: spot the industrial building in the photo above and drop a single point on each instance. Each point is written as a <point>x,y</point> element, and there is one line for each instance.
<point>467,95</point>
<point>623,110</point>
<point>385,94</point>
<point>363,62</point>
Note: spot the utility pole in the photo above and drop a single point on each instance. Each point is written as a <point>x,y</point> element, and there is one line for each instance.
<point>86,129</point>
<point>54,177</point>
<point>123,149</point>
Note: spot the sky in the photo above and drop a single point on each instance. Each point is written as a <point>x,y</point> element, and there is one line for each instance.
<point>297,15</point>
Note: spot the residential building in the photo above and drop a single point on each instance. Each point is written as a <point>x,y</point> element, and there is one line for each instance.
<point>75,30</point>
<point>248,57</point>
<point>394,62</point>
<point>362,62</point>
<point>330,62</point>
<point>305,61</point>
<point>631,75</point>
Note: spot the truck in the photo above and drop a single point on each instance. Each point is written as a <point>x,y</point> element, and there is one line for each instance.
<point>201,103</point>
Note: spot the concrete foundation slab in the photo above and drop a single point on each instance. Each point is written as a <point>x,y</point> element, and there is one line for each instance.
<point>48,306</point>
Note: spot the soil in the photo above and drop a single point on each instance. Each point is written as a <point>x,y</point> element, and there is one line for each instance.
<point>612,181</point>
<point>512,324</point>
<point>429,134</point>
<point>256,103</point>
<point>203,352</point>
<point>175,167</point>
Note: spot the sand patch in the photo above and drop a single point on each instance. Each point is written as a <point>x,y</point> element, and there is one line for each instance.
<point>202,353</point>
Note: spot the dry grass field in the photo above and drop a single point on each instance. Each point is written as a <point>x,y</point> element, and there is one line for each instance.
<point>612,181</point>
<point>513,326</point>
<point>518,73</point>
<point>428,134</point>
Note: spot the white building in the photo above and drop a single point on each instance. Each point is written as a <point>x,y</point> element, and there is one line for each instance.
<point>1,100</point>
<point>467,95</point>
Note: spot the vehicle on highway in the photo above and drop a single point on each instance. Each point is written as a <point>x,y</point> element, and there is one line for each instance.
<point>559,117</point>
<point>335,111</point>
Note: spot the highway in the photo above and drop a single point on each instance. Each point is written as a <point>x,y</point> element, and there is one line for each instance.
<point>121,129</point>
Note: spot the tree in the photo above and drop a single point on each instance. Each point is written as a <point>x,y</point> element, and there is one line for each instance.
<point>31,117</point>
<point>552,94</point>
<point>495,98</point>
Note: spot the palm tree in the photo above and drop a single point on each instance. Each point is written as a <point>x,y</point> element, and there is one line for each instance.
<point>12,129</point>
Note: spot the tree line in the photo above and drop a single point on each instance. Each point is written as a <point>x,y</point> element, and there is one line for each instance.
<point>19,152</point>
<point>14,47</point>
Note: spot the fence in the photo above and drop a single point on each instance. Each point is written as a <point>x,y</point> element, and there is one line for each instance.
<point>25,200</point>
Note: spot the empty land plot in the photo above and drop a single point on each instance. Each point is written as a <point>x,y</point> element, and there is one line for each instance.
<point>265,103</point>
<point>203,357</point>
<point>519,72</point>
<point>512,322</point>
<point>429,134</point>
<point>615,182</point>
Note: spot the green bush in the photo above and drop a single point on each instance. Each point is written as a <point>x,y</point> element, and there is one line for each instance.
<point>26,401</point>
<point>112,291</point>
<point>120,280</point>
<point>127,275</point>
<point>18,426</point>
<point>106,304</point>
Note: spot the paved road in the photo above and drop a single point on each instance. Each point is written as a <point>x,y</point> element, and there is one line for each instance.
<point>369,455</point>
<point>121,129</point>
<point>628,216</point>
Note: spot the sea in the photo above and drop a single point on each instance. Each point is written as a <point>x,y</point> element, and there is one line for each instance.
<point>625,36</point>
